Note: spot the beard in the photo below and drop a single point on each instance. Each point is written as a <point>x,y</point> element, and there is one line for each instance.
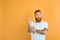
<point>38,19</point>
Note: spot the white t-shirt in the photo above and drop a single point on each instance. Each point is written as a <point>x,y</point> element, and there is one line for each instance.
<point>38,26</point>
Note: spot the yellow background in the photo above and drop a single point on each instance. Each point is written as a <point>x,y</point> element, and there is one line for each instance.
<point>14,15</point>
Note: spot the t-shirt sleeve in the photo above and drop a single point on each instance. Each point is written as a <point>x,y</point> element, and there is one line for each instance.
<point>46,25</point>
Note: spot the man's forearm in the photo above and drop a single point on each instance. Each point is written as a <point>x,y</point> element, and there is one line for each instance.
<point>42,31</point>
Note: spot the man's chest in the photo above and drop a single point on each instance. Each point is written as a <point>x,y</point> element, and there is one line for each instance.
<point>39,26</point>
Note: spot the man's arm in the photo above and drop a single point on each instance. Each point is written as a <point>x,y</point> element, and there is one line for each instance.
<point>29,29</point>
<point>29,25</point>
<point>44,31</point>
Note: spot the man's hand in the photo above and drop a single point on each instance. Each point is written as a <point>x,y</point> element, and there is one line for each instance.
<point>29,20</point>
<point>33,29</point>
<point>46,31</point>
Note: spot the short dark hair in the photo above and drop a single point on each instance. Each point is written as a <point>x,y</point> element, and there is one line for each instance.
<point>37,11</point>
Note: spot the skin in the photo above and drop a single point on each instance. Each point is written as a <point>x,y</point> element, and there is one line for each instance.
<point>38,17</point>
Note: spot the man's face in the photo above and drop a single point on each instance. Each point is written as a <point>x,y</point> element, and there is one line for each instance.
<point>38,16</point>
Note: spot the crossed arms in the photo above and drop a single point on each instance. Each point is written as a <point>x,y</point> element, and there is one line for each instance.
<point>44,31</point>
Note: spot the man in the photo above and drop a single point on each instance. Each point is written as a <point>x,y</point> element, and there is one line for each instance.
<point>39,28</point>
